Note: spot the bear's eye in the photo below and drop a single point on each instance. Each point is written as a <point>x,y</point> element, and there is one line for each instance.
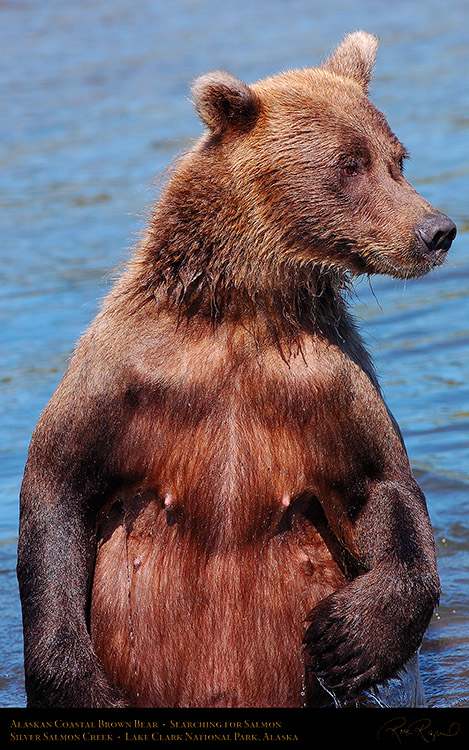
<point>351,168</point>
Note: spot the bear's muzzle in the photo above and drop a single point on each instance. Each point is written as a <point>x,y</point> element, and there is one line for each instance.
<point>435,234</point>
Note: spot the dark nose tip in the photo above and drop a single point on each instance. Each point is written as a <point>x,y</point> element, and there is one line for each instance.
<point>437,233</point>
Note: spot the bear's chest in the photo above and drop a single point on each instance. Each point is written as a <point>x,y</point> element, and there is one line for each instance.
<point>231,453</point>
<point>227,441</point>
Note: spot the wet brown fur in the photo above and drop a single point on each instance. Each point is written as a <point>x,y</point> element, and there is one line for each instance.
<point>217,477</point>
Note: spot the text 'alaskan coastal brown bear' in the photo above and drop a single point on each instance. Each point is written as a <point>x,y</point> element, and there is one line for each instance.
<point>217,507</point>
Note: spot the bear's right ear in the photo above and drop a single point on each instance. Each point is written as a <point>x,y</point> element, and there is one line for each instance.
<point>223,101</point>
<point>355,58</point>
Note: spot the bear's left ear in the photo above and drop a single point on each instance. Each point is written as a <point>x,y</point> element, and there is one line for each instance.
<point>355,58</point>
<point>223,101</point>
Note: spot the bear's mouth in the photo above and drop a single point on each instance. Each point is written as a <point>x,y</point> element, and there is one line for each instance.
<point>432,239</point>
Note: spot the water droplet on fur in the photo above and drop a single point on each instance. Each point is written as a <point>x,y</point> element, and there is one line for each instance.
<point>330,692</point>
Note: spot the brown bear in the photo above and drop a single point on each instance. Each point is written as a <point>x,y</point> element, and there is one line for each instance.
<point>217,507</point>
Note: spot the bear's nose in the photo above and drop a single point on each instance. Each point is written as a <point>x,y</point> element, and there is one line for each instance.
<point>437,233</point>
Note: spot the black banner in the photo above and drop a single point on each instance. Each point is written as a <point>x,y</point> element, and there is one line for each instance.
<point>266,728</point>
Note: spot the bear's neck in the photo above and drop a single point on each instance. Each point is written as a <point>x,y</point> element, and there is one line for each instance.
<point>208,255</point>
<point>308,304</point>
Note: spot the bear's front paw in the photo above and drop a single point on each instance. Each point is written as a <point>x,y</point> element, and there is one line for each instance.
<point>84,684</point>
<point>346,649</point>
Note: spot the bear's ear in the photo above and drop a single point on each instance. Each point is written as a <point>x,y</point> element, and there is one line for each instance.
<point>355,58</point>
<point>223,101</point>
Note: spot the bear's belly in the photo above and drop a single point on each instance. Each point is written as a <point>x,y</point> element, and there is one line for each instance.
<point>177,625</point>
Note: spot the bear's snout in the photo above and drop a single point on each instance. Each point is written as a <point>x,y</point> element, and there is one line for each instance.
<point>436,233</point>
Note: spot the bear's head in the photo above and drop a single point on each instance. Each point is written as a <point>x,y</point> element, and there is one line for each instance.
<point>306,172</point>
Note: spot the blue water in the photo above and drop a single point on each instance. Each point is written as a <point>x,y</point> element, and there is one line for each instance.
<point>94,102</point>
